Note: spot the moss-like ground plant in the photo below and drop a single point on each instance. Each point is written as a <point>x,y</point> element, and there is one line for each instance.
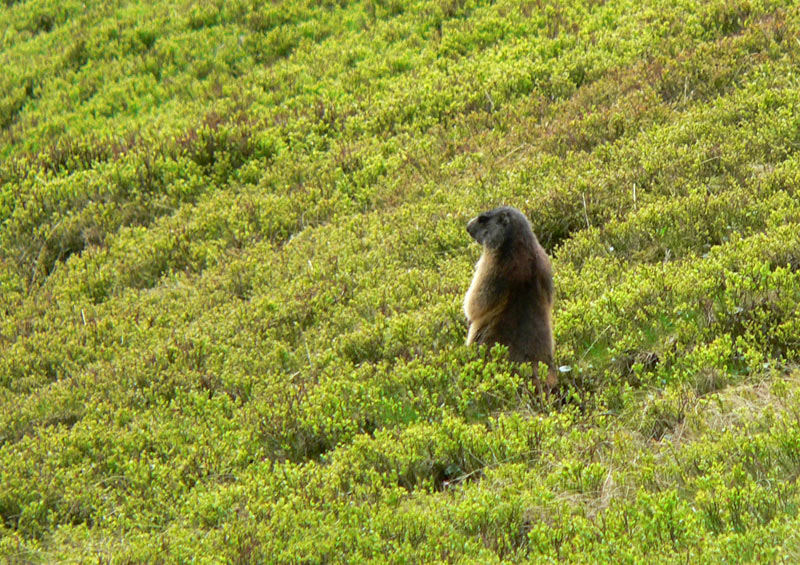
<point>232,257</point>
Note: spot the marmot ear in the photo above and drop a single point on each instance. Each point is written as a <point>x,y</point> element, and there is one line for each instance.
<point>504,218</point>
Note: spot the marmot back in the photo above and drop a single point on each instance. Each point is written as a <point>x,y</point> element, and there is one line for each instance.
<point>510,299</point>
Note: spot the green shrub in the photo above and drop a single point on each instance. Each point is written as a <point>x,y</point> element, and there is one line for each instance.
<point>232,260</point>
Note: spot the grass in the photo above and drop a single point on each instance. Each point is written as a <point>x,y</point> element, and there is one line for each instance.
<point>232,257</point>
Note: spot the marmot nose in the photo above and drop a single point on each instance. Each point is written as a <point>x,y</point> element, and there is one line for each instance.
<point>471,226</point>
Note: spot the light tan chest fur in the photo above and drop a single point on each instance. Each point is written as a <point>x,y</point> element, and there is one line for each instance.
<point>480,307</point>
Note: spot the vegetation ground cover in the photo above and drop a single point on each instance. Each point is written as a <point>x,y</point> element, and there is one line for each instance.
<point>232,257</point>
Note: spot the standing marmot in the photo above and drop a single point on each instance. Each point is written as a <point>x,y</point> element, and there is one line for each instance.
<point>511,296</point>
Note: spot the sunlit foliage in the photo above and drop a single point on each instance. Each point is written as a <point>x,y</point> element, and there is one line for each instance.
<point>232,256</point>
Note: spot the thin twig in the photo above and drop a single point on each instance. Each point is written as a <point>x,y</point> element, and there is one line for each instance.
<point>588,349</point>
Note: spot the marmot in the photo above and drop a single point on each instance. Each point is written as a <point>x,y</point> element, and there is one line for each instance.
<point>510,299</point>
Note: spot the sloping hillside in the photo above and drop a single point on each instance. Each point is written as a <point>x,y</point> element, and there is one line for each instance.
<point>232,259</point>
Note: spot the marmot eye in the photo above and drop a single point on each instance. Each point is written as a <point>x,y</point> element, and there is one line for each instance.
<point>482,219</point>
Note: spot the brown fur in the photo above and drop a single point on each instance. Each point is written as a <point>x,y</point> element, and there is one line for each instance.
<point>510,299</point>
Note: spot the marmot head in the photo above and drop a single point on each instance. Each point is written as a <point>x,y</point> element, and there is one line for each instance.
<point>501,229</point>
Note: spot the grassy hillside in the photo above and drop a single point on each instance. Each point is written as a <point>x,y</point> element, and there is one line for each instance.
<point>232,257</point>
